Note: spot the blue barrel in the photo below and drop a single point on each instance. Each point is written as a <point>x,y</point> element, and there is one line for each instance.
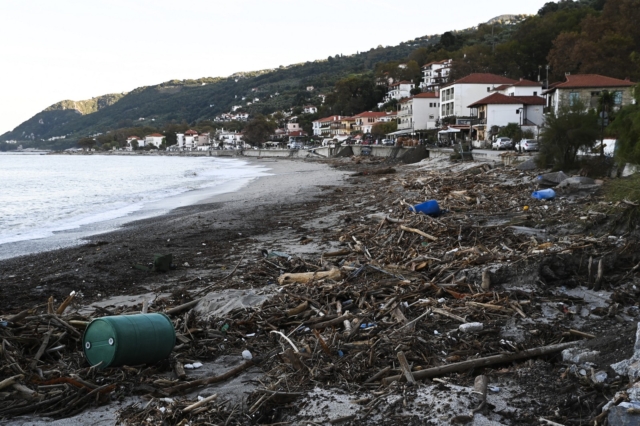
<point>128,340</point>
<point>430,208</point>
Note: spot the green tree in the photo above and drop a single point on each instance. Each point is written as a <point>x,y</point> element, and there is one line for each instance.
<point>87,143</point>
<point>258,130</point>
<point>512,131</point>
<point>381,130</point>
<point>135,145</point>
<point>572,129</point>
<point>626,129</point>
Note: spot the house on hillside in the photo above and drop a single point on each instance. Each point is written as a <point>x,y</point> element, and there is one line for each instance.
<point>435,75</point>
<point>309,109</point>
<point>399,90</point>
<point>325,126</point>
<point>203,142</point>
<point>499,109</point>
<point>419,112</point>
<point>365,120</point>
<point>588,88</point>
<point>130,144</point>
<point>455,97</point>
<point>187,141</point>
<point>154,139</point>
<point>230,140</point>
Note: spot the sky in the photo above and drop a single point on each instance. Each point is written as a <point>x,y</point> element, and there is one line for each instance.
<point>52,50</point>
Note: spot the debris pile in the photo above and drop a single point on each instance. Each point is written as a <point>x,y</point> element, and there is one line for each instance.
<point>483,294</point>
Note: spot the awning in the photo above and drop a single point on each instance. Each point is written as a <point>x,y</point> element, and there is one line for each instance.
<point>400,132</point>
<point>449,130</point>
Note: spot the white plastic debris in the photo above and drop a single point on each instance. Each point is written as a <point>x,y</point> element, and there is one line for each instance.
<point>197,364</point>
<point>471,327</point>
<point>247,355</point>
<point>185,264</point>
<point>188,366</point>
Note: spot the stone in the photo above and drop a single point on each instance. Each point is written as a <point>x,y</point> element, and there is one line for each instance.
<point>620,417</point>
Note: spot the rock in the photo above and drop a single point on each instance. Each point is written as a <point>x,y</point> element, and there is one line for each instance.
<point>630,367</point>
<point>247,355</point>
<point>620,417</point>
<point>551,179</point>
<point>579,355</point>
<point>530,164</point>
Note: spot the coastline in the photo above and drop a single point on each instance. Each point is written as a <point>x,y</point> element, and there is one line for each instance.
<point>104,263</point>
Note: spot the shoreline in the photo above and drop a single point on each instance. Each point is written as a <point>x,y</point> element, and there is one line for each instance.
<point>76,234</point>
<point>106,261</point>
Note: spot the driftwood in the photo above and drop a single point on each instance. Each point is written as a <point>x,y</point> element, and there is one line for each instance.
<point>200,403</point>
<point>210,380</point>
<point>306,277</point>
<point>419,232</point>
<point>482,362</point>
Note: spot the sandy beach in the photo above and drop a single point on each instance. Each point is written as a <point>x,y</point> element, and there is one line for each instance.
<point>385,297</point>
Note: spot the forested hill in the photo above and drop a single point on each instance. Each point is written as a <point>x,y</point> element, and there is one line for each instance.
<point>589,36</point>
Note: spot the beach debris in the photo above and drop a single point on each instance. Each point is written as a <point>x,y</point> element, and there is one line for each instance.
<point>162,262</point>
<point>387,298</point>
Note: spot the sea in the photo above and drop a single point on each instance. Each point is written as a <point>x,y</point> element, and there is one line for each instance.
<point>53,201</point>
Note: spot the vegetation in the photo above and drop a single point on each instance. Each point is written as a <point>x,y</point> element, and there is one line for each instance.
<point>258,130</point>
<point>626,129</point>
<point>571,36</point>
<point>564,134</point>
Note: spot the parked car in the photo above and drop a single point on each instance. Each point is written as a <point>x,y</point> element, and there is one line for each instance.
<point>387,142</point>
<point>502,143</point>
<point>526,145</point>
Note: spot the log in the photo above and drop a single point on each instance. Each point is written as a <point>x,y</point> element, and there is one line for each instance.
<point>178,368</point>
<point>486,280</point>
<point>598,283</point>
<point>65,303</point>
<point>449,314</point>
<point>10,381</point>
<point>491,307</point>
<point>208,381</point>
<point>342,252</point>
<point>306,277</point>
<point>482,362</point>
<point>182,307</point>
<point>43,347</point>
<point>200,403</point>
<point>406,369</point>
<point>378,375</point>
<point>334,321</point>
<point>419,232</point>
<point>298,309</point>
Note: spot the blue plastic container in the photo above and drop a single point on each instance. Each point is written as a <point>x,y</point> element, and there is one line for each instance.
<point>430,208</point>
<point>544,194</point>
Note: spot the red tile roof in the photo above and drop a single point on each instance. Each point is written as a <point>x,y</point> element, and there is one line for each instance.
<point>483,78</point>
<point>332,118</point>
<point>370,114</point>
<point>500,99</point>
<point>527,83</point>
<point>592,80</point>
<point>190,132</point>
<point>430,95</point>
<point>501,87</point>
<point>156,135</point>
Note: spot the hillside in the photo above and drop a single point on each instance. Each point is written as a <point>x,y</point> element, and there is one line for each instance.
<point>566,35</point>
<point>203,99</point>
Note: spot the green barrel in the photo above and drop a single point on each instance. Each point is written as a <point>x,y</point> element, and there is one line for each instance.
<point>128,340</point>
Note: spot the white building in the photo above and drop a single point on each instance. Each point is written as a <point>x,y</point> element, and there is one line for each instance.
<point>419,112</point>
<point>154,139</point>
<point>309,109</point>
<point>130,141</point>
<point>435,75</point>
<point>187,141</point>
<point>456,97</point>
<point>230,139</point>
<point>498,110</point>
<point>399,90</point>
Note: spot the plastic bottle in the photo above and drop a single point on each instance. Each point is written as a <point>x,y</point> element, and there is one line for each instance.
<point>544,194</point>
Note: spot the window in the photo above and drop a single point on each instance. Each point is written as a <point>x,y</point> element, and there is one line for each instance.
<point>431,117</point>
<point>573,98</point>
<point>535,93</point>
<point>617,98</point>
